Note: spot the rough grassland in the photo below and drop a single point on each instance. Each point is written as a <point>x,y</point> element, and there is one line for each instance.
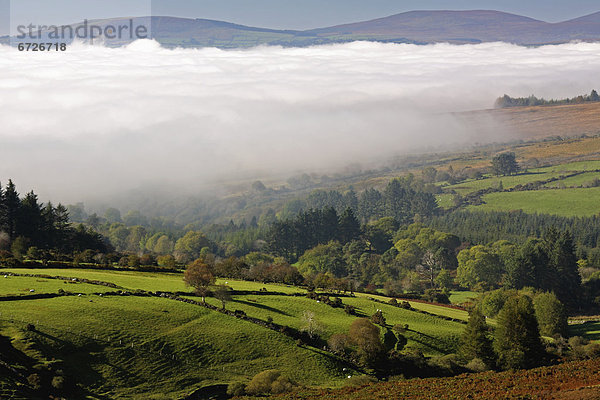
<point>574,380</point>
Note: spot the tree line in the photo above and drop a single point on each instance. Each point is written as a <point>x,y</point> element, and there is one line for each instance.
<point>26,223</point>
<point>402,199</point>
<point>479,227</point>
<point>507,101</point>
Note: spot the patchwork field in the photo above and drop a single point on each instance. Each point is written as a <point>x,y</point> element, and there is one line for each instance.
<point>150,347</point>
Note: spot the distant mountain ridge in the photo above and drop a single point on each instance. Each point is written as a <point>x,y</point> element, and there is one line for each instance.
<point>419,27</point>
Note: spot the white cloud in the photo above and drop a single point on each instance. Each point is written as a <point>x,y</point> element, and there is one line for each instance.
<point>100,120</point>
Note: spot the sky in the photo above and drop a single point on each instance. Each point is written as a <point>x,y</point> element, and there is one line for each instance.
<point>94,121</point>
<point>276,14</point>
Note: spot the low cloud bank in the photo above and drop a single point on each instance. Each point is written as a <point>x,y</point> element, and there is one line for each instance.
<point>94,121</point>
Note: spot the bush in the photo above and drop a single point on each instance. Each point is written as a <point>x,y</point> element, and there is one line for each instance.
<point>448,363</point>
<point>236,389</point>
<point>58,382</point>
<point>406,305</point>
<point>339,343</point>
<point>270,381</point>
<point>167,261</point>
<point>476,365</point>
<point>436,296</point>
<point>35,381</point>
<point>378,318</point>
<point>147,259</point>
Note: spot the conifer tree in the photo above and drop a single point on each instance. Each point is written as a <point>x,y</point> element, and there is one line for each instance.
<point>11,205</point>
<point>517,340</point>
<point>349,227</point>
<point>567,281</point>
<point>475,341</point>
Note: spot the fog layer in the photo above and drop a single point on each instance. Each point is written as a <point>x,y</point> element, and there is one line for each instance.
<point>95,121</point>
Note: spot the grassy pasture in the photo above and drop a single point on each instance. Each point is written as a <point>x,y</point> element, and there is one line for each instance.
<point>574,181</point>
<point>589,330</point>
<point>457,297</point>
<point>149,281</point>
<point>570,167</point>
<point>565,202</point>
<point>147,347</point>
<point>20,286</point>
<point>473,185</point>
<point>138,347</point>
<point>432,335</point>
<point>445,200</point>
<point>289,310</point>
<point>431,308</point>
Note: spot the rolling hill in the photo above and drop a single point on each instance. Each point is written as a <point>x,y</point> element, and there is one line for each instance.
<point>418,27</point>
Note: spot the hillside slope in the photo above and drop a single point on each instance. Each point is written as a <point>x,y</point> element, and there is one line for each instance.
<point>536,122</point>
<point>574,380</point>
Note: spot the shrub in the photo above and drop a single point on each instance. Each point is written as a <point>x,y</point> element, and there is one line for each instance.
<point>436,296</point>
<point>350,310</point>
<point>34,381</point>
<point>58,382</point>
<point>236,389</point>
<point>270,381</point>
<point>476,365</point>
<point>378,318</point>
<point>167,261</point>
<point>339,343</point>
<point>147,259</point>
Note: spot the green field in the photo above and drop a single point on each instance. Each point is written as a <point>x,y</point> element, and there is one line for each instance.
<point>144,347</point>
<point>137,347</point>
<point>431,308</point>
<point>445,200</point>
<point>565,202</point>
<point>589,330</point>
<point>458,297</point>
<point>288,311</point>
<point>149,281</point>
<point>21,286</point>
<point>508,182</point>
<point>570,167</point>
<point>149,347</point>
<point>574,181</point>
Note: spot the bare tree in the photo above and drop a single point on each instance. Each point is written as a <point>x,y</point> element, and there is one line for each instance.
<point>223,294</point>
<point>310,324</point>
